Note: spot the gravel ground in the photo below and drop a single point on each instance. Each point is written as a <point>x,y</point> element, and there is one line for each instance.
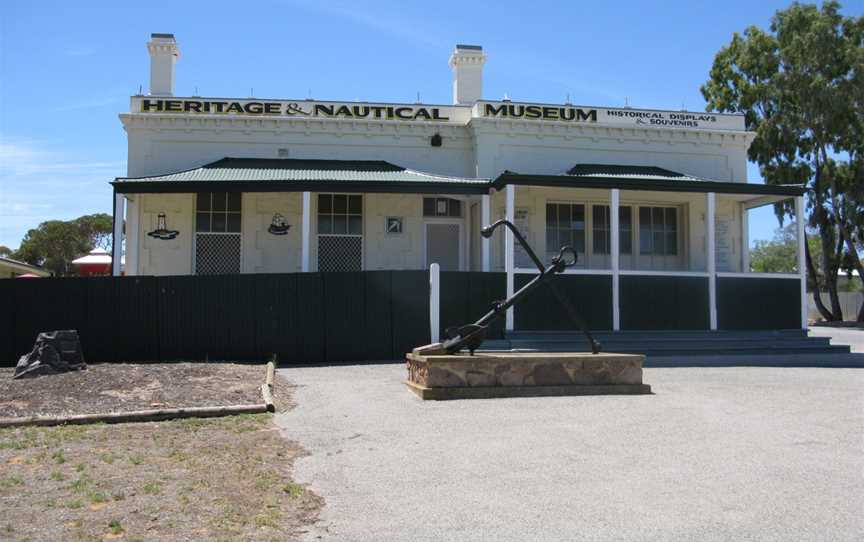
<point>852,336</point>
<point>714,454</point>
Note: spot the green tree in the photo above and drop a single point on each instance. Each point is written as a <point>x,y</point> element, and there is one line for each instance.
<point>778,255</point>
<point>55,243</point>
<point>800,88</point>
<point>5,251</point>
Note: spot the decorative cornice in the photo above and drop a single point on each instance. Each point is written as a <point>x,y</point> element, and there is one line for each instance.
<point>465,58</point>
<point>568,130</point>
<point>162,48</point>
<point>336,127</point>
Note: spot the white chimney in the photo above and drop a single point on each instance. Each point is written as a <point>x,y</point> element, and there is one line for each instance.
<point>467,64</point>
<point>163,55</point>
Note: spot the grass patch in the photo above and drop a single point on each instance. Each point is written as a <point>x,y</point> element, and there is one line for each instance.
<point>81,485</point>
<point>152,488</point>
<point>97,497</point>
<point>269,518</point>
<point>293,490</point>
<point>9,482</point>
<point>190,479</point>
<point>116,527</point>
<point>107,457</point>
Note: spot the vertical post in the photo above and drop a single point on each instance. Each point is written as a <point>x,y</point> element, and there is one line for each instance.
<point>710,203</point>
<point>306,232</point>
<point>117,240</point>
<point>485,219</point>
<point>615,202</point>
<point>434,302</point>
<point>745,239</point>
<point>802,264</point>
<point>133,225</point>
<point>509,255</point>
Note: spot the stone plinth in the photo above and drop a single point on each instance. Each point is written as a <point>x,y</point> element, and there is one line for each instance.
<point>513,374</point>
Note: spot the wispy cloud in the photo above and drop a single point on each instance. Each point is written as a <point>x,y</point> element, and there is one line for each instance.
<point>80,51</point>
<point>402,28</point>
<point>40,182</point>
<point>89,104</point>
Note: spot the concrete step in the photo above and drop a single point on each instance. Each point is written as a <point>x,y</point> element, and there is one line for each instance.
<point>688,341</point>
<point>837,361</point>
<point>675,345</point>
<point>707,352</point>
<point>790,333</point>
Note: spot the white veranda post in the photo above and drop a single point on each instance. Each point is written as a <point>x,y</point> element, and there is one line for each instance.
<point>306,232</point>
<point>509,259</point>
<point>117,244</point>
<point>802,265</point>
<point>710,203</point>
<point>485,214</point>
<point>615,200</point>
<point>133,230</point>
<point>434,302</point>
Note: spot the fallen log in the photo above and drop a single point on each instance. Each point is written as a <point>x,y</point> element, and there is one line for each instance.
<point>136,415</point>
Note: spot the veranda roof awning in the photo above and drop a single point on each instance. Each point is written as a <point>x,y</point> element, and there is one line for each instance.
<point>297,175</point>
<point>647,178</point>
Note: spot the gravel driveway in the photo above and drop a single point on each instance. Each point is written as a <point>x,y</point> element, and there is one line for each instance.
<point>715,454</point>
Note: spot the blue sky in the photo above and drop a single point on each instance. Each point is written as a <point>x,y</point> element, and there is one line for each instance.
<point>68,68</point>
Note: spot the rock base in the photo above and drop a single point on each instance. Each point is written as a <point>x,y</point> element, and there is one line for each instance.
<point>524,374</point>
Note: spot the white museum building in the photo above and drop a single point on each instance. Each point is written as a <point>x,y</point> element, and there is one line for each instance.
<point>647,198</point>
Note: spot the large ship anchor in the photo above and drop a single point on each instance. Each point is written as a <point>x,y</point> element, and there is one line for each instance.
<point>471,336</point>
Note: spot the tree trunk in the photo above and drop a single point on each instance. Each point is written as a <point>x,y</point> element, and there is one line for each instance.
<point>830,272</point>
<point>814,276</point>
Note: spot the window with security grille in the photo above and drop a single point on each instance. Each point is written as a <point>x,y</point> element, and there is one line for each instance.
<point>217,253</point>
<point>217,233</point>
<point>340,232</point>
<point>442,207</point>
<point>340,253</point>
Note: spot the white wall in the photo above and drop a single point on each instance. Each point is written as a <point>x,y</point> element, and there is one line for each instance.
<point>393,251</point>
<point>264,252</point>
<point>161,256</point>
<point>553,150</point>
<point>181,145</point>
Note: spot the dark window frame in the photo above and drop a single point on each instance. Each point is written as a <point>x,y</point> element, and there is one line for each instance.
<point>656,228</point>
<point>339,214</point>
<point>604,228</point>
<point>219,212</point>
<point>560,230</point>
<point>432,207</point>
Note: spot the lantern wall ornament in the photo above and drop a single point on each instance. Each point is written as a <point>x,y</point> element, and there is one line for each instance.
<point>279,226</point>
<point>162,231</point>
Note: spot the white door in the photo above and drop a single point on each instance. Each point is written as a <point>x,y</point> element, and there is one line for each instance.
<point>443,245</point>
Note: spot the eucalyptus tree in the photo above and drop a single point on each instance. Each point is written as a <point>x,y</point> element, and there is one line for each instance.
<point>800,86</point>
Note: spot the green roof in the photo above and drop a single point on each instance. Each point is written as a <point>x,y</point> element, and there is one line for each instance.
<point>297,175</point>
<point>648,178</point>
<point>628,172</point>
<point>288,174</point>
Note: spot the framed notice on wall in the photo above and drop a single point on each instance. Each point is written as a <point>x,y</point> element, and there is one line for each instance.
<point>522,223</point>
<point>723,243</point>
